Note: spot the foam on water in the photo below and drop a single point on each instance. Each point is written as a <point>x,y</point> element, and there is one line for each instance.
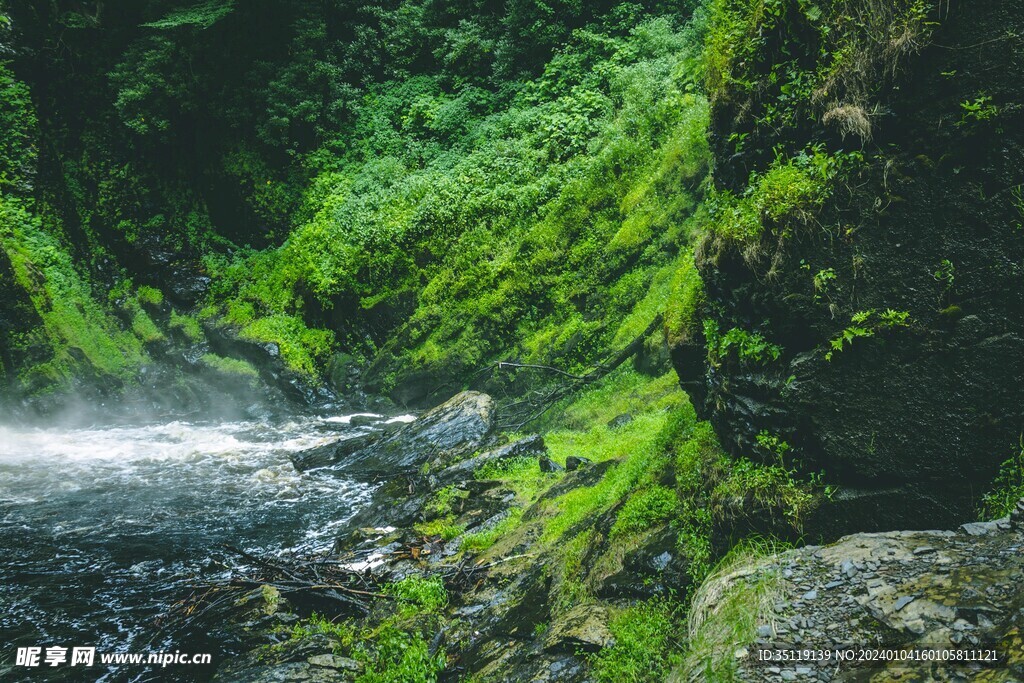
<point>102,528</point>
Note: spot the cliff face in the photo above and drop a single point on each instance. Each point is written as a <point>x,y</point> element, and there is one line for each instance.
<point>893,315</point>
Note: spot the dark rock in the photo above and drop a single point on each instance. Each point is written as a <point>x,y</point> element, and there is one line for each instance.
<point>438,437</point>
<point>463,470</point>
<point>654,567</point>
<point>549,465</point>
<point>575,462</point>
<point>1017,516</point>
<point>365,420</point>
<point>332,453</point>
<point>930,409</point>
<point>620,420</point>
<point>582,628</point>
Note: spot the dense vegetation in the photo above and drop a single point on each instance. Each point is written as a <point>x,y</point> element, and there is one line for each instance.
<point>410,191</point>
<point>421,187</point>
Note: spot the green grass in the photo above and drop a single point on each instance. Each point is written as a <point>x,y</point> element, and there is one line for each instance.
<point>728,607</point>
<point>229,366</point>
<point>522,475</point>
<point>648,643</point>
<point>482,540</point>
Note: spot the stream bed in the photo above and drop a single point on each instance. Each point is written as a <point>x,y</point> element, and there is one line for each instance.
<point>103,529</point>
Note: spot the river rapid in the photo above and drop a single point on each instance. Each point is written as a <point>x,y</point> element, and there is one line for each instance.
<point>103,529</point>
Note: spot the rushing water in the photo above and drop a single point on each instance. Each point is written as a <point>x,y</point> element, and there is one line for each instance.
<point>102,529</point>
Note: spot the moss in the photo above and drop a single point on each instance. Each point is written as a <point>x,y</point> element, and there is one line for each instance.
<point>685,301</point>
<point>444,528</point>
<point>303,348</point>
<point>482,540</point>
<point>76,326</point>
<point>229,366</point>
<point>144,327</point>
<point>150,296</point>
<point>568,587</point>
<point>188,325</point>
<point>642,457</point>
<point>645,509</point>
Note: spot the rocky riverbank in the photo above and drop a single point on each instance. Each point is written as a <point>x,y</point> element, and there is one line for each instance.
<point>476,585</point>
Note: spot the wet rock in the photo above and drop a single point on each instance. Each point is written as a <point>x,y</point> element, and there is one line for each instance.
<point>582,628</point>
<point>335,662</point>
<point>575,462</point>
<point>549,465</point>
<point>365,420</point>
<point>286,673</point>
<point>654,567</point>
<point>437,438</point>
<point>934,589</point>
<point>526,447</point>
<point>332,453</point>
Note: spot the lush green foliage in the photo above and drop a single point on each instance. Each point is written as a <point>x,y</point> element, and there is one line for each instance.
<point>1007,489</point>
<point>648,643</point>
<point>420,594</point>
<point>530,219</point>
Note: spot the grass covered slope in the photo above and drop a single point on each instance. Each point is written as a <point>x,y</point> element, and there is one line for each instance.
<point>460,229</point>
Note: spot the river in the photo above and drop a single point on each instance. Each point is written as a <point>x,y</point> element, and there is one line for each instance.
<point>102,529</point>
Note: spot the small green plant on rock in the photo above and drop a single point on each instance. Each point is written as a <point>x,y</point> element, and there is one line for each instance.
<point>1007,488</point>
<point>747,346</point>
<point>418,595</point>
<point>865,324</point>
<point>978,110</point>
<point>823,280</point>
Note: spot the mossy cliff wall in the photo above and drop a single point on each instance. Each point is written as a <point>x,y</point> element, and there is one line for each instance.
<point>873,321</point>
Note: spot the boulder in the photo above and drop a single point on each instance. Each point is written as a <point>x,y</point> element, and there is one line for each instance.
<point>549,465</point>
<point>437,438</point>
<point>899,590</point>
<point>332,453</point>
<point>582,628</point>
<point>575,462</point>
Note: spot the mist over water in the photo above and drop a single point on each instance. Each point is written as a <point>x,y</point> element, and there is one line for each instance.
<point>101,529</point>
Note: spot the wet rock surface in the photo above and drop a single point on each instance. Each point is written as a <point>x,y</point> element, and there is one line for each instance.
<point>920,416</point>
<point>437,438</point>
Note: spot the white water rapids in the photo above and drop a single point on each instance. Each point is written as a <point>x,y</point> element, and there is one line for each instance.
<point>101,529</point>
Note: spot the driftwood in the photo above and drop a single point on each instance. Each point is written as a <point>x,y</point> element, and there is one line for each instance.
<point>517,414</point>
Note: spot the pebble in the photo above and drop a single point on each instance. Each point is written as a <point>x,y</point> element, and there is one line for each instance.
<point>903,602</point>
